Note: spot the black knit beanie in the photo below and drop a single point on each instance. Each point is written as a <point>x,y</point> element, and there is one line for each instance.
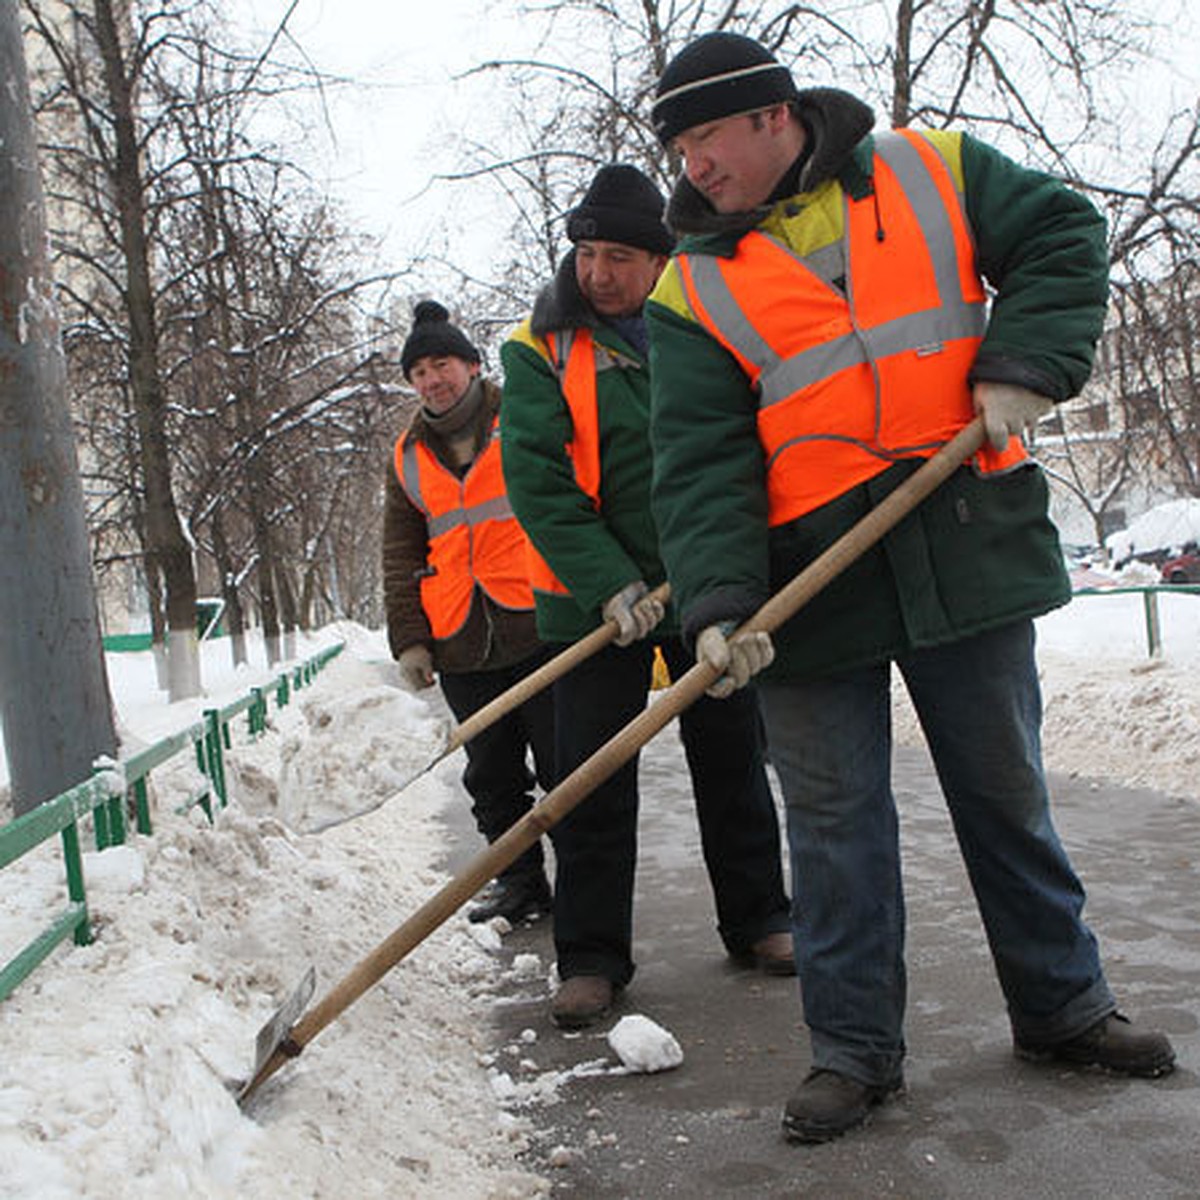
<point>717,75</point>
<point>621,205</point>
<point>432,334</point>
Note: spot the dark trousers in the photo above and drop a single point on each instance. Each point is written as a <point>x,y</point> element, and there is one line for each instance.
<point>596,845</point>
<point>497,776</point>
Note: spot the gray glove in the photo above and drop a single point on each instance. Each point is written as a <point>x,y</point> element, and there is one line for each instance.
<point>635,612</point>
<point>1008,410</point>
<point>416,665</point>
<point>737,659</point>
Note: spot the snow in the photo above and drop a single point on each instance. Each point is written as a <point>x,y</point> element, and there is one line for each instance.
<point>644,1045</point>
<point>116,1059</point>
<point>1168,527</point>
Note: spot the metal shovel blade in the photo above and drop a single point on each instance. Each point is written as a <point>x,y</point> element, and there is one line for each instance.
<point>276,1030</point>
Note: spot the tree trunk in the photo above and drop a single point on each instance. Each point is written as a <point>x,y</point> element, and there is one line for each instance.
<point>167,547</point>
<point>235,619</point>
<point>54,699</point>
<point>287,608</point>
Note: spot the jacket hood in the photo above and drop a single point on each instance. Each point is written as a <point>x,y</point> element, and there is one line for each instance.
<point>560,304</point>
<point>836,122</point>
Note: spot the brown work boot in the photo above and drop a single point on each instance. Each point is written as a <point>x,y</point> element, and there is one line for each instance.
<point>581,1001</point>
<point>1113,1043</point>
<point>772,954</point>
<point>827,1104</point>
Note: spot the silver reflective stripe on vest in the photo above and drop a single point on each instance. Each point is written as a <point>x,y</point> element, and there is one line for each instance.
<point>726,313</point>
<point>564,343</point>
<point>922,332</point>
<point>492,510</point>
<point>564,339</point>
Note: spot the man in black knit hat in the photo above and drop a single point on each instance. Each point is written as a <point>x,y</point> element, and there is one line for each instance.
<point>457,595</point>
<point>577,466</point>
<point>841,304</point>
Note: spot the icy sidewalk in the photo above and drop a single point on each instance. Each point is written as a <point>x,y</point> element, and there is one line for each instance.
<point>975,1120</point>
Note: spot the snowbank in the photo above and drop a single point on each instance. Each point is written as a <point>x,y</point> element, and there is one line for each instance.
<point>116,1059</point>
<point>1168,527</point>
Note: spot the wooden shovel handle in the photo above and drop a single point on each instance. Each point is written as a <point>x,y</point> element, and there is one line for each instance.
<point>622,747</point>
<point>545,675</point>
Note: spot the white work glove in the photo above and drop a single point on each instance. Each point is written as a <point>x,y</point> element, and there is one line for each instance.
<point>416,666</point>
<point>635,612</point>
<point>1008,410</point>
<point>737,659</point>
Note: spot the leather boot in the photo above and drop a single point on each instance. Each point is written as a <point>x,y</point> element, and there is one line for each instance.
<point>581,1001</point>
<point>827,1104</point>
<point>519,898</point>
<point>1113,1043</point>
<point>772,954</point>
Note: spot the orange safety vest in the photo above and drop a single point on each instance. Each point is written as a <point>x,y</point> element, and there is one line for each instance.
<point>473,536</point>
<point>850,382</point>
<point>575,360</point>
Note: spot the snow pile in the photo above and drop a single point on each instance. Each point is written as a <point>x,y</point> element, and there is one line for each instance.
<point>1110,711</point>
<point>117,1059</point>
<point>1168,527</point>
<point>643,1045</point>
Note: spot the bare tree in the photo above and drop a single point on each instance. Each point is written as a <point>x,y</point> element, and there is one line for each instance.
<point>54,699</point>
<point>262,313</point>
<point>107,116</point>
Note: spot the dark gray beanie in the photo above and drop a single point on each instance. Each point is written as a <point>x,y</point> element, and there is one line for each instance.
<point>432,334</point>
<point>717,75</point>
<point>621,205</point>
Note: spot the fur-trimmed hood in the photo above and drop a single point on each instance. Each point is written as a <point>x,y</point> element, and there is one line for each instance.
<point>836,122</point>
<point>560,304</point>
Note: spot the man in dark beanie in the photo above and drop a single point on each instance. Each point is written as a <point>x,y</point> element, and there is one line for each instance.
<point>823,328</point>
<point>577,466</point>
<point>457,594</point>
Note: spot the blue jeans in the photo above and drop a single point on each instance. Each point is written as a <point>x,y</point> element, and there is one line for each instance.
<point>979,705</point>
<point>595,845</point>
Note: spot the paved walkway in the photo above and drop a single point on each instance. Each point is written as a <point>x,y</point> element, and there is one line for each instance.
<point>975,1122</point>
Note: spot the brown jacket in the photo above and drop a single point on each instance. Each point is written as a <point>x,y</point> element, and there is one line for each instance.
<point>492,637</point>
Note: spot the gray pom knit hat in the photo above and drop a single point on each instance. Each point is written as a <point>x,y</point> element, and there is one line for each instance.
<point>717,75</point>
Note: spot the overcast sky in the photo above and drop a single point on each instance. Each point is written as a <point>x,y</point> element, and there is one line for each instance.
<point>381,141</point>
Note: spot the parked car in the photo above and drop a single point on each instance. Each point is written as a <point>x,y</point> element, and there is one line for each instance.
<point>1183,568</point>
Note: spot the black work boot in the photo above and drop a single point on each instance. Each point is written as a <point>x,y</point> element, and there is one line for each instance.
<point>522,897</point>
<point>1113,1043</point>
<point>826,1104</point>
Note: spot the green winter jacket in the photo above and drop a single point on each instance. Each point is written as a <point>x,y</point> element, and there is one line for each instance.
<point>979,553</point>
<point>594,554</point>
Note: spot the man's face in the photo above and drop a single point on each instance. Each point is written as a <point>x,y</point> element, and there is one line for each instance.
<point>441,380</point>
<point>735,162</point>
<point>615,279</point>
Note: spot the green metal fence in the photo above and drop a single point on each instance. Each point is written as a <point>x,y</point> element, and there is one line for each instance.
<point>119,790</point>
<point>1149,594</point>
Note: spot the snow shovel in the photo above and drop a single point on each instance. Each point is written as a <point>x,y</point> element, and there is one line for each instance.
<point>608,759</point>
<point>502,705</point>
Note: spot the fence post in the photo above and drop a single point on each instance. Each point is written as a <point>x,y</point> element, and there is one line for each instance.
<point>216,759</point>
<point>141,804</point>
<point>74,863</point>
<point>1153,628</point>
